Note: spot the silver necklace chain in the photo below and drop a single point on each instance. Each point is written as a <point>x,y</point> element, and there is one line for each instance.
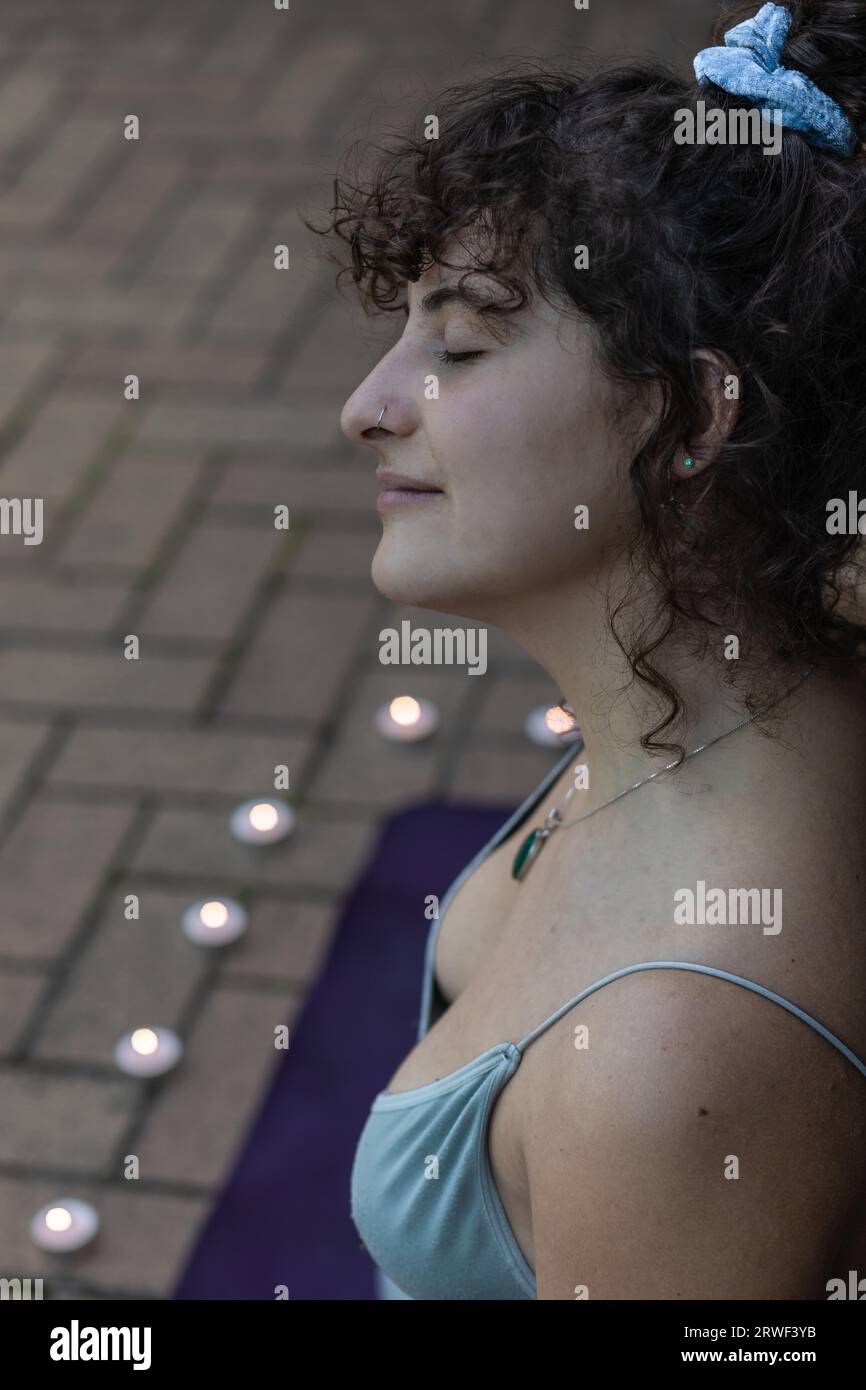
<point>565,824</point>
<point>553,820</point>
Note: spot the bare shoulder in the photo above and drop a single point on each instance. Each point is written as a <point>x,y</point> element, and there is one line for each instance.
<point>685,1137</point>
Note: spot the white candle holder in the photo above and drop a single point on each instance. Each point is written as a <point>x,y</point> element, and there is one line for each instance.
<point>148,1051</point>
<point>550,727</point>
<point>262,822</point>
<point>407,720</point>
<point>214,921</point>
<point>66,1224</point>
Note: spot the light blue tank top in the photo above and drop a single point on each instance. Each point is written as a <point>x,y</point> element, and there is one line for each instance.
<point>422,1192</point>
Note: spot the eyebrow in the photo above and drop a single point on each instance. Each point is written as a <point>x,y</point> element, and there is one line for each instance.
<point>449,294</point>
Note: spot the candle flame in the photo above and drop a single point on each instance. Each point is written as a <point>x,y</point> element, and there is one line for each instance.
<point>404,710</point>
<point>557,721</point>
<point>214,914</point>
<point>144,1041</point>
<point>264,816</point>
<point>58,1219</point>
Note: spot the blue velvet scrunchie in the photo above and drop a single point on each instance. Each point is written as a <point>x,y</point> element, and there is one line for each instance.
<point>749,66</point>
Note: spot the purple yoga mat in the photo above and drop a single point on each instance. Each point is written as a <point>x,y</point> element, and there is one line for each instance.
<point>282,1217</point>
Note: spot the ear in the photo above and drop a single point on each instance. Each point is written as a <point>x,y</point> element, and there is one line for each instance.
<point>719,386</point>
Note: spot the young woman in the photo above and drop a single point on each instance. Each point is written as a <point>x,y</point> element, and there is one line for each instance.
<point>626,423</point>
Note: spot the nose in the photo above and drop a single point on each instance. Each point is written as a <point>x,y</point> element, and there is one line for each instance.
<point>362,419</point>
<point>362,423</point>
<point>366,417</point>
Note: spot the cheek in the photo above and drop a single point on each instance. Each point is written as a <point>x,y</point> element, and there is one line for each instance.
<point>519,455</point>
<point>490,459</point>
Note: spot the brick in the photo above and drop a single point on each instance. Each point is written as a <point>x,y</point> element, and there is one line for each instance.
<point>19,745</point>
<point>246,425</point>
<point>246,41</point>
<point>26,98</point>
<point>606,30</point>
<point>190,761</point>
<point>310,79</point>
<point>300,657</point>
<point>28,561</point>
<point>362,768</point>
<point>195,1127</point>
<point>18,996</point>
<point>133,511</point>
<point>133,309</point>
<point>61,605</point>
<point>51,868</point>
<point>140,54</point>
<point>58,680</point>
<point>349,342</point>
<point>46,267</point>
<point>286,942</point>
<point>128,201</point>
<point>67,1122</point>
<point>145,1242</point>
<point>20,264</point>
<point>142,1244</point>
<point>93,21</point>
<point>251,162</point>
<point>22,363</point>
<point>261,301</point>
<point>337,555</point>
<point>52,458</point>
<point>202,237</point>
<point>77,148</point>
<point>130,974</point>
<point>172,367</point>
<point>322,852</point>
<point>209,587</point>
<point>190,96</point>
<point>309,489</point>
<point>257,305</point>
<point>500,776</point>
<point>404,90</point>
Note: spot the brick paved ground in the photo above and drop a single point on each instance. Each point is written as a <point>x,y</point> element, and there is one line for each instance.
<point>258,647</point>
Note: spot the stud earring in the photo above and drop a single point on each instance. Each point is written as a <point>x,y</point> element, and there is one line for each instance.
<point>688,463</point>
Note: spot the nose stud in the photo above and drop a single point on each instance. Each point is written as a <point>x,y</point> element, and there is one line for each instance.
<point>381,413</point>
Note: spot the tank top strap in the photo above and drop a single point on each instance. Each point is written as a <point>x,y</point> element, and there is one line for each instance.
<point>703,970</point>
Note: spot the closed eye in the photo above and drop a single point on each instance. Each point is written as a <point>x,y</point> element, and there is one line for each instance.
<point>450,357</point>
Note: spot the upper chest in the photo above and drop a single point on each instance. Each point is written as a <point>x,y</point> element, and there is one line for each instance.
<point>508,953</point>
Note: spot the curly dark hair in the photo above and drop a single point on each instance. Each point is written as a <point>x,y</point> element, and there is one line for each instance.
<point>758,259</point>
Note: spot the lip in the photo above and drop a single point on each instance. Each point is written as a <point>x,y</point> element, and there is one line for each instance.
<point>398,490</point>
<point>387,478</point>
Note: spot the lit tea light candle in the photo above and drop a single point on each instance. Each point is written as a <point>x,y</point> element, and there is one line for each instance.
<point>551,725</point>
<point>66,1224</point>
<point>407,720</point>
<point>214,922</point>
<point>148,1051</point>
<point>262,822</point>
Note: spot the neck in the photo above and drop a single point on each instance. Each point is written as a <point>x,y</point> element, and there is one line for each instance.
<point>570,638</point>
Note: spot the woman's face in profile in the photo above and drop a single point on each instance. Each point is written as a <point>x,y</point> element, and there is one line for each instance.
<point>519,435</point>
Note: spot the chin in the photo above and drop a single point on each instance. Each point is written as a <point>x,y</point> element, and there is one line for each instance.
<point>402,581</point>
<point>418,580</point>
<point>438,586</point>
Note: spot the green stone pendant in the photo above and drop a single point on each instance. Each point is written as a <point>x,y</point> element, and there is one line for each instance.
<point>528,853</point>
